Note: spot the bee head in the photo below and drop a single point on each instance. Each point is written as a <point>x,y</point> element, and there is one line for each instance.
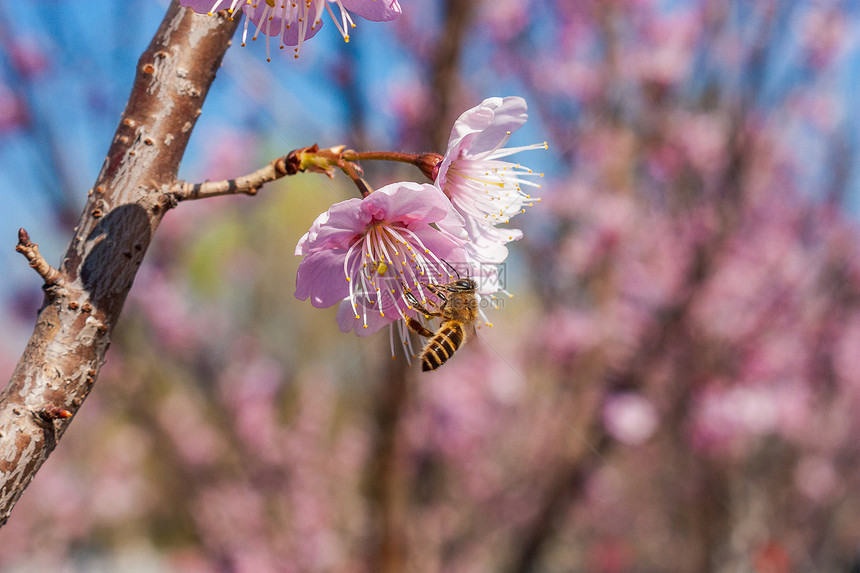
<point>461,285</point>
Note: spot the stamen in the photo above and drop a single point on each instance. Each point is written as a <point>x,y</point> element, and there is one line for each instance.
<point>245,33</point>
<point>340,28</point>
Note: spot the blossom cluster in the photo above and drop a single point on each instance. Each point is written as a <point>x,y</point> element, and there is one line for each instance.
<point>294,21</point>
<point>376,256</point>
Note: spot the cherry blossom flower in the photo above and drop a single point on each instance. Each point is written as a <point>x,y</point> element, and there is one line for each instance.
<point>295,21</point>
<point>370,255</point>
<point>482,188</point>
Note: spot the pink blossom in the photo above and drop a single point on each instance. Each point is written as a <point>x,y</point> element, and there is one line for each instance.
<point>295,22</point>
<point>483,189</point>
<point>630,418</point>
<point>367,254</point>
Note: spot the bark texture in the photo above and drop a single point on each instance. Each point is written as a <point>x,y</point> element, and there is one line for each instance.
<point>126,204</point>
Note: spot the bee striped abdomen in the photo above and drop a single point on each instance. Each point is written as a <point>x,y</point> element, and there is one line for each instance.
<point>442,346</point>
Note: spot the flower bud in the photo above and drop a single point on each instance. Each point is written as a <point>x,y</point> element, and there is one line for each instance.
<point>428,163</point>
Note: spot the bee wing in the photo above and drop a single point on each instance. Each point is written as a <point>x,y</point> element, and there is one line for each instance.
<point>470,331</point>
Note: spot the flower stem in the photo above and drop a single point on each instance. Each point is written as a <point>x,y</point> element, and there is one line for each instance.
<point>426,162</point>
<point>351,155</point>
<point>353,172</point>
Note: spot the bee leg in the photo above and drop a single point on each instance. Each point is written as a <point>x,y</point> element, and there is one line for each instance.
<point>425,312</point>
<point>414,302</point>
<point>410,297</point>
<point>418,327</point>
<point>438,291</point>
<point>421,308</point>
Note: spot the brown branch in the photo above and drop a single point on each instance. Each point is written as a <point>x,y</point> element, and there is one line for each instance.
<point>307,159</point>
<point>30,250</point>
<point>247,184</point>
<point>123,210</point>
<point>354,173</point>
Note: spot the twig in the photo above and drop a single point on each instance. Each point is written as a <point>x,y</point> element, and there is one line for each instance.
<point>310,159</point>
<point>247,184</point>
<point>30,250</point>
<point>353,171</point>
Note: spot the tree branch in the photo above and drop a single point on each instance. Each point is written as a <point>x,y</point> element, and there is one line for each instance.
<point>247,184</point>
<point>125,206</point>
<point>30,250</point>
<point>307,159</point>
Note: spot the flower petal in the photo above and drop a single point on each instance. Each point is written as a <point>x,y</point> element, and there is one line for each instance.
<point>320,276</point>
<point>292,31</point>
<point>289,20</point>
<point>453,225</point>
<point>407,203</point>
<point>488,124</point>
<point>199,6</point>
<point>336,228</point>
<point>508,117</point>
<point>482,129</point>
<point>488,279</point>
<point>207,6</point>
<point>487,245</point>
<point>375,10</point>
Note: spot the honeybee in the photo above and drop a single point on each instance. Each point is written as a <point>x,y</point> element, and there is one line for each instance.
<point>458,314</point>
